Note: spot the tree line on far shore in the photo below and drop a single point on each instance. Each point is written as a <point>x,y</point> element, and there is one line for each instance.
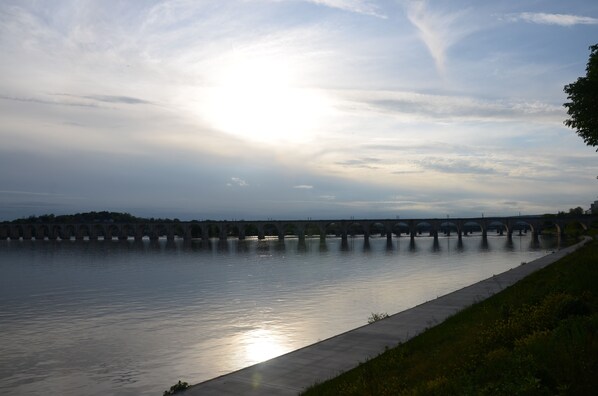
<point>91,217</point>
<point>123,217</point>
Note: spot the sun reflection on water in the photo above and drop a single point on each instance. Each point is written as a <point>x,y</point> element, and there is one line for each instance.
<point>262,344</point>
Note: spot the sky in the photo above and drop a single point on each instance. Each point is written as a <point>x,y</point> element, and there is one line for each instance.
<point>292,109</point>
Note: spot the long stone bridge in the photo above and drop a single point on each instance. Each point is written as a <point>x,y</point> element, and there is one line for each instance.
<point>295,228</point>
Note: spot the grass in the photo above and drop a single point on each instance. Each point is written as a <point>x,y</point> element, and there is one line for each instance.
<point>537,337</point>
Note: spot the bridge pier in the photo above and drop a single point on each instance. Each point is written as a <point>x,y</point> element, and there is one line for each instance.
<point>344,237</point>
<point>412,246</point>
<point>300,228</point>
<point>436,245</point>
<point>187,235</point>
<point>322,230</point>
<point>222,228</point>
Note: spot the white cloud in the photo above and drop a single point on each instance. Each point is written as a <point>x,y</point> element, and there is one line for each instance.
<point>554,19</point>
<point>238,182</point>
<point>416,107</point>
<point>438,29</point>
<point>358,6</point>
<point>304,187</point>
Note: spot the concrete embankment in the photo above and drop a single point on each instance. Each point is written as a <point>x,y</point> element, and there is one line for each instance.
<point>293,372</point>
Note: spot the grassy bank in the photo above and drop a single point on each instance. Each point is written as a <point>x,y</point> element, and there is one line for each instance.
<point>538,337</point>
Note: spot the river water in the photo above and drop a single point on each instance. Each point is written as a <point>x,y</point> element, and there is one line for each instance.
<point>129,318</point>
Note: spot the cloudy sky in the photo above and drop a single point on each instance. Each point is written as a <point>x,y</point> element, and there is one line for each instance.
<point>261,109</point>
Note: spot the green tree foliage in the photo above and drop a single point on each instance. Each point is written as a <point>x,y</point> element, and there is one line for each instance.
<point>583,102</point>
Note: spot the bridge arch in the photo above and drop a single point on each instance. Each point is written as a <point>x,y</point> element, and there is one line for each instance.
<point>233,229</point>
<point>335,228</point>
<point>41,232</point>
<point>422,227</point>
<point>67,232</point>
<point>400,227</point>
<point>271,229</point>
<point>81,231</point>
<point>471,226</point>
<point>291,229</point>
<point>99,231</point>
<point>449,226</point>
<point>497,225</point>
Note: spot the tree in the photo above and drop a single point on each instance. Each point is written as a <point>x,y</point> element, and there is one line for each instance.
<point>583,102</point>
<point>576,211</point>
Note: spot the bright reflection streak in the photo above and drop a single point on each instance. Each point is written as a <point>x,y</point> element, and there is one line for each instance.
<point>262,344</point>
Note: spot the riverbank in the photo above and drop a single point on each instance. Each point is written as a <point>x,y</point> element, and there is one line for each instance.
<point>538,337</point>
<point>292,373</point>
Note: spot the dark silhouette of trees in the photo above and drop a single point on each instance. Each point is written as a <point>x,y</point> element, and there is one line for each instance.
<point>583,102</point>
<point>576,211</point>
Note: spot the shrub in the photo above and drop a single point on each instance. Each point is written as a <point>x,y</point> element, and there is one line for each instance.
<point>374,317</point>
<point>176,388</point>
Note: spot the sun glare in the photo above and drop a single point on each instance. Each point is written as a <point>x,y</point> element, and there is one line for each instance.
<point>261,345</point>
<point>259,100</point>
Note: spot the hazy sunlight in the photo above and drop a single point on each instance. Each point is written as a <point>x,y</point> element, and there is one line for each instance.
<point>259,100</point>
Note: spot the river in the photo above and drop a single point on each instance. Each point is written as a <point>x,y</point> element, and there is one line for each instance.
<point>129,318</point>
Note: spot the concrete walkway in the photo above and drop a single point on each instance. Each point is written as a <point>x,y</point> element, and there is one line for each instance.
<point>293,372</point>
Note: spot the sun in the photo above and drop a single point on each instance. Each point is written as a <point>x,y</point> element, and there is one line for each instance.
<point>261,100</point>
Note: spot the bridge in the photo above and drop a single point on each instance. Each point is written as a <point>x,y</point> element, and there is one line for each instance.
<point>301,229</point>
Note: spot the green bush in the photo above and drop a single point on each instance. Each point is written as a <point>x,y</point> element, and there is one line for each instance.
<point>176,388</point>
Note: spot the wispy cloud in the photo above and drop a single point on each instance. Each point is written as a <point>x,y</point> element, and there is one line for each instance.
<point>303,187</point>
<point>45,101</point>
<point>553,19</point>
<point>455,166</point>
<point>236,181</point>
<point>79,100</point>
<point>438,29</point>
<point>116,99</point>
<point>360,163</point>
<point>448,108</point>
<point>358,6</point>
<point>29,193</point>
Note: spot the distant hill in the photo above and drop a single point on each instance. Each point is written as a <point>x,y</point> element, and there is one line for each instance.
<point>89,217</point>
